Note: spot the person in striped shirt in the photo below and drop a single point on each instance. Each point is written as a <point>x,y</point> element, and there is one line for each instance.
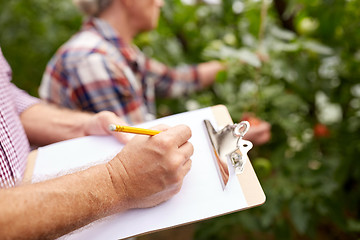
<point>100,68</point>
<point>52,208</point>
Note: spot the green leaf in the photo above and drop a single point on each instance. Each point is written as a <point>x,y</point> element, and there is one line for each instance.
<point>353,225</point>
<point>300,215</point>
<point>317,47</point>
<point>221,77</point>
<point>282,33</point>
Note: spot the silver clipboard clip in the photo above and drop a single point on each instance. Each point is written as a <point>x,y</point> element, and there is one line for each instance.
<point>229,146</point>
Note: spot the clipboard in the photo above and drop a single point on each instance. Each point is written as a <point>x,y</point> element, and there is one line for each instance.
<point>195,201</point>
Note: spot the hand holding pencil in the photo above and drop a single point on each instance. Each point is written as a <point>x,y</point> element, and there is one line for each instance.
<point>150,170</point>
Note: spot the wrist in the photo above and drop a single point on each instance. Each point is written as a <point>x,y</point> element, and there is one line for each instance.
<point>70,123</point>
<point>116,173</point>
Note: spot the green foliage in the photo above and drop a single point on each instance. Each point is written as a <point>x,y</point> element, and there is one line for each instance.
<point>294,78</point>
<point>295,66</point>
<point>31,31</point>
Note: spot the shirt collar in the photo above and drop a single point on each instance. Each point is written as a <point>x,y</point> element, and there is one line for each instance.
<point>129,52</point>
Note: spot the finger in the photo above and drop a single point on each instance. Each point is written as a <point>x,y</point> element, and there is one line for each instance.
<point>264,126</point>
<point>122,137</point>
<point>99,125</point>
<point>187,167</point>
<point>260,129</point>
<point>260,134</point>
<point>160,127</point>
<point>184,170</point>
<point>187,150</point>
<point>181,134</point>
<point>111,118</point>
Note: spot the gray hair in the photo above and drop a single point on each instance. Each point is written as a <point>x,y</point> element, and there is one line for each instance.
<point>92,8</point>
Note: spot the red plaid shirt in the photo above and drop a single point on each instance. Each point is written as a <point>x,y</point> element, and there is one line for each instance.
<point>14,145</point>
<point>95,70</point>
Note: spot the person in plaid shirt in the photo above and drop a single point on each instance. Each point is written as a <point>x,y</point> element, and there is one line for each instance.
<point>50,209</point>
<point>100,69</point>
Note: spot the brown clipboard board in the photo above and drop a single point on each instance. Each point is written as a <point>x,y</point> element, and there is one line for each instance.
<point>250,185</point>
<point>31,159</point>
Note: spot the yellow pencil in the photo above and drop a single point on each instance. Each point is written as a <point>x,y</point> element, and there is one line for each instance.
<point>127,129</point>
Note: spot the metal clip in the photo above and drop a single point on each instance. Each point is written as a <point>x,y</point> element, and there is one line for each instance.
<point>239,156</point>
<point>228,143</point>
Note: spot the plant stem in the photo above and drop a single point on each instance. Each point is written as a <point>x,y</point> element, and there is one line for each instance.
<point>263,15</point>
<point>257,75</point>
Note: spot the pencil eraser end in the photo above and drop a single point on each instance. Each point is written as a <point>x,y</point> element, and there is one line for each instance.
<point>112,127</point>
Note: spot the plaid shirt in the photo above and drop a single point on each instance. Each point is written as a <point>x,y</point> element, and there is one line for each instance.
<point>95,70</point>
<point>14,145</point>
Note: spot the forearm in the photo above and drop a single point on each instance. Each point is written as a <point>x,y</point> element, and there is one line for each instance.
<point>50,209</point>
<point>207,72</point>
<point>46,124</point>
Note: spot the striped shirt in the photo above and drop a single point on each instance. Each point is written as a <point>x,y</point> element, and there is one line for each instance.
<point>14,145</point>
<point>95,70</point>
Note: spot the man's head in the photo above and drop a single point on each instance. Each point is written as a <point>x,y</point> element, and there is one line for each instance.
<point>142,15</point>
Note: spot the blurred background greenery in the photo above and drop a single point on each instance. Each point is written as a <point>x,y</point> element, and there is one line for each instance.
<point>292,63</point>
